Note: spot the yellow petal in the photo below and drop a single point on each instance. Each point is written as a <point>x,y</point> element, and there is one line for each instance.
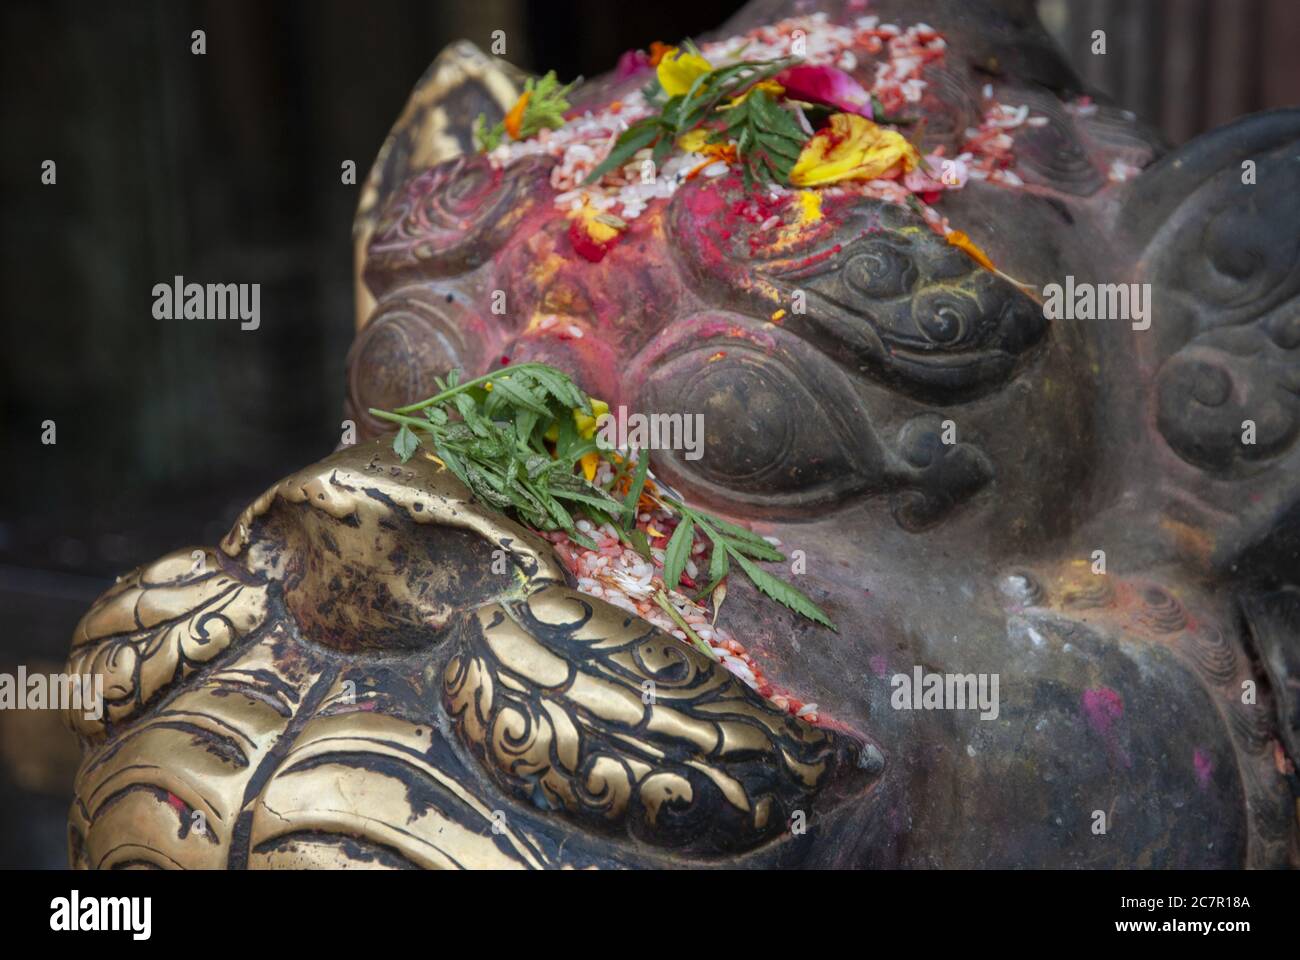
<point>589,463</point>
<point>770,86</point>
<point>692,141</point>
<point>599,231</point>
<point>587,425</point>
<point>851,147</point>
<point>679,69</point>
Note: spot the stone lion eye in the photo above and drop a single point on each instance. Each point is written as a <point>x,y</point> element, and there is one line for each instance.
<point>945,318</point>
<point>764,438</point>
<point>416,333</point>
<point>881,270</point>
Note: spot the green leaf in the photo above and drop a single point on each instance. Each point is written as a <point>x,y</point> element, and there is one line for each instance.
<point>564,390</point>
<point>639,135</point>
<point>719,566</point>
<point>566,440</point>
<point>641,544</point>
<point>404,443</point>
<point>487,138</point>
<point>559,514</point>
<point>782,592</point>
<point>497,460</point>
<point>592,497</point>
<point>520,394</point>
<point>546,105</point>
<point>768,138</point>
<point>677,551</point>
<point>469,411</point>
<point>634,492</point>
<point>722,526</point>
<point>525,423</point>
<point>537,465</point>
<point>757,551</point>
<point>667,607</point>
<point>454,464</point>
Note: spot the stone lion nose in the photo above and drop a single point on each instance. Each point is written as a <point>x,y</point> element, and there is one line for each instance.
<point>1020,322</point>
<point>373,554</point>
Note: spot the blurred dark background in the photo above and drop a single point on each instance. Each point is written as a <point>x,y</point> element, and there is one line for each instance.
<point>226,168</point>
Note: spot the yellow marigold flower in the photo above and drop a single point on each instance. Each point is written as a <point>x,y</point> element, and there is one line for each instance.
<point>851,148</point>
<point>678,69</point>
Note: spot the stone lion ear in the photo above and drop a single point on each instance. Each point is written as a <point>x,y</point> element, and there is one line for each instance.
<point>435,125</point>
<point>1212,230</point>
<point>1174,182</point>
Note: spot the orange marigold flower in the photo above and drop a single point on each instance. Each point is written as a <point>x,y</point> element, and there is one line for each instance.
<point>961,241</point>
<point>515,118</point>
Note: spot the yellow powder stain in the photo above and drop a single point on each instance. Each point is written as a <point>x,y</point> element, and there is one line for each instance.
<point>808,211</point>
<point>543,269</point>
<point>810,206</point>
<point>1191,541</point>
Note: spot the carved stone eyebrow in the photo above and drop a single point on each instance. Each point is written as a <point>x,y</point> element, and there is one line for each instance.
<point>873,288</point>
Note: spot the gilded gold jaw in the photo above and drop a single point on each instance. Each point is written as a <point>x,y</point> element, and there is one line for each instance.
<point>377,670</point>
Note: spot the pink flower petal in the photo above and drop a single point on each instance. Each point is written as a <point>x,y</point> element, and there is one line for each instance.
<point>631,63</point>
<point>827,85</point>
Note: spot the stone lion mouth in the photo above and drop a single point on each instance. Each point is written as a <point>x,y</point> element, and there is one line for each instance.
<point>953,361</point>
<point>965,373</point>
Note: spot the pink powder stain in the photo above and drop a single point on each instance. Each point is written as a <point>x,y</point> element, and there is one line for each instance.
<point>1104,709</point>
<point>1203,766</point>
